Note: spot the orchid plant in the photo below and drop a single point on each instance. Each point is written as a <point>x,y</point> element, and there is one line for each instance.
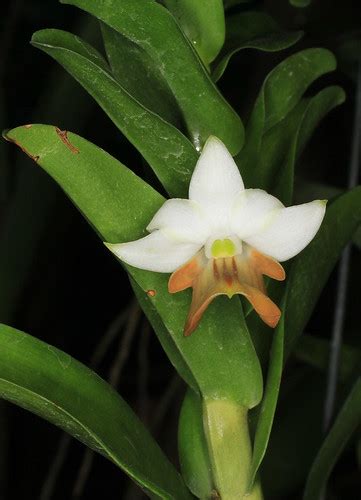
<point>157,82</point>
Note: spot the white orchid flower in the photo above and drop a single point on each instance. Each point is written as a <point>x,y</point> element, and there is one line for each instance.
<point>224,238</point>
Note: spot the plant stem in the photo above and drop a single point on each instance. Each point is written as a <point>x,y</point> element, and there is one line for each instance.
<point>226,428</point>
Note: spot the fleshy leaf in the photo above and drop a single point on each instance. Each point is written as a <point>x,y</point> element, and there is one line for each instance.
<point>269,402</point>
<point>168,152</point>
<point>283,144</point>
<point>153,28</point>
<point>192,445</point>
<point>280,93</point>
<point>120,205</point>
<point>52,384</point>
<point>252,30</point>
<point>203,23</point>
<point>347,421</point>
<point>136,72</point>
<point>300,123</point>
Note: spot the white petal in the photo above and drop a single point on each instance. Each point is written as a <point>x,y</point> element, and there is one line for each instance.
<point>290,230</point>
<point>216,179</point>
<point>251,211</point>
<point>182,220</point>
<point>155,252</point>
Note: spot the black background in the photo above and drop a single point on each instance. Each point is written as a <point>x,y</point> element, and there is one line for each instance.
<point>72,288</point>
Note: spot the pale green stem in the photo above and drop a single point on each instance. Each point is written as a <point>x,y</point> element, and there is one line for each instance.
<point>226,429</point>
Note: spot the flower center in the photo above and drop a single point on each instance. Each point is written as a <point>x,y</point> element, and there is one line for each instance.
<point>223,248</point>
<point>227,247</point>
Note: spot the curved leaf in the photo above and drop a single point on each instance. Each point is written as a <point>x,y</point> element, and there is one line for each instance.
<point>280,93</point>
<point>252,30</point>
<point>347,421</point>
<point>52,384</point>
<point>269,402</point>
<point>137,74</point>
<point>220,355</point>
<point>193,450</point>
<point>203,23</point>
<point>296,129</point>
<point>169,153</point>
<point>312,267</point>
<point>153,28</point>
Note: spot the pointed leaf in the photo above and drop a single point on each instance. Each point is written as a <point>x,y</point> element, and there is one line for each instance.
<point>52,384</point>
<point>203,23</point>
<point>120,205</point>
<point>347,421</point>
<point>168,152</point>
<point>290,136</point>
<point>280,93</point>
<point>252,30</point>
<point>153,28</point>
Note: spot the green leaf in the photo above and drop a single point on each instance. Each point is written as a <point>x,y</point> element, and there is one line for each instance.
<point>203,23</point>
<point>310,270</point>
<point>347,421</point>
<point>220,354</point>
<point>52,384</point>
<point>294,132</point>
<point>252,30</point>
<point>137,74</point>
<point>168,152</point>
<point>103,189</point>
<point>192,446</point>
<point>280,93</point>
<point>164,338</point>
<point>153,28</point>
<point>269,402</point>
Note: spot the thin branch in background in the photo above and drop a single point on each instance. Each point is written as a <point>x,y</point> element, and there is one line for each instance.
<point>133,315</point>
<point>172,390</point>
<point>114,329</point>
<point>343,272</point>
<point>143,373</point>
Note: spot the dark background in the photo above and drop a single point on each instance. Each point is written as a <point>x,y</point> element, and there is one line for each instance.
<point>59,283</point>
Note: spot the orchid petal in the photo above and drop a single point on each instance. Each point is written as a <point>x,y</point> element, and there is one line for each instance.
<point>182,220</point>
<point>216,179</point>
<point>289,230</point>
<point>251,211</point>
<point>155,252</point>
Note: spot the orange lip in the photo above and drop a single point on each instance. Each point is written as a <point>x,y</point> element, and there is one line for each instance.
<point>240,274</point>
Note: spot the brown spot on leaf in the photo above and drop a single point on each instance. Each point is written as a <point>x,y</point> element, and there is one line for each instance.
<point>63,135</point>
<point>151,293</point>
<point>29,125</point>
